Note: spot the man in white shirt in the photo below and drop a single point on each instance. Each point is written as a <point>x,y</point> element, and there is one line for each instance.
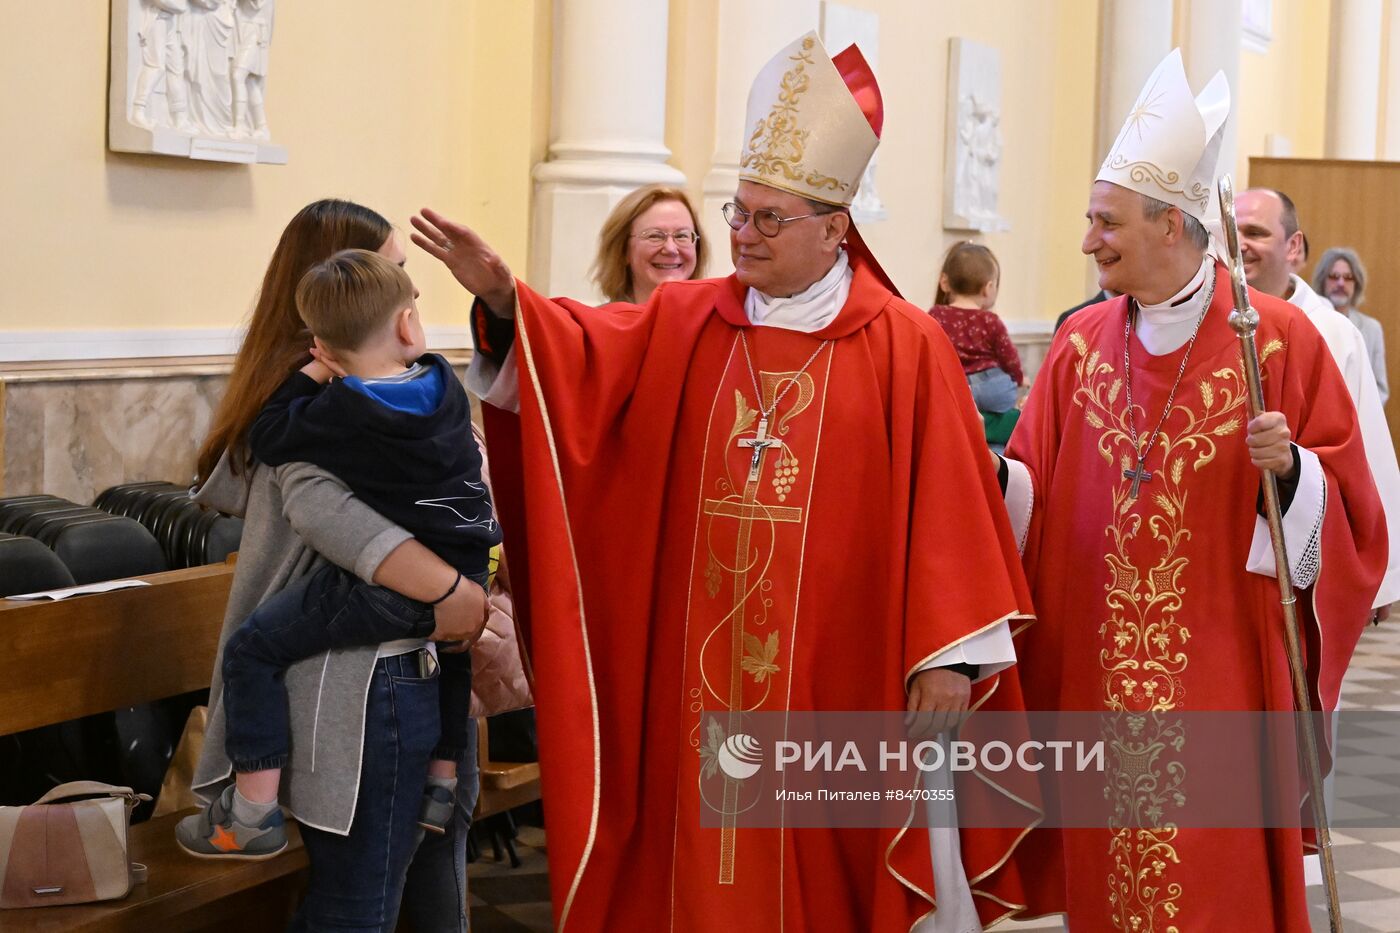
<point>1271,240</point>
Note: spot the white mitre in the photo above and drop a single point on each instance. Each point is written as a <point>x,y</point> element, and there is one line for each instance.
<point>808,134</point>
<point>1170,143</point>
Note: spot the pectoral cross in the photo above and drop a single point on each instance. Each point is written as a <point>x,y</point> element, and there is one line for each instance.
<point>759,443</point>
<point>1139,476</point>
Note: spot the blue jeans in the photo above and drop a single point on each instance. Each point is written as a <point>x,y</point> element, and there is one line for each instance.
<point>325,609</point>
<point>357,880</point>
<point>435,897</point>
<point>993,390</point>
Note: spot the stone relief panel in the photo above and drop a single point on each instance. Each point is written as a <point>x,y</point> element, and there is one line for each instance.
<point>972,138</point>
<point>189,78</point>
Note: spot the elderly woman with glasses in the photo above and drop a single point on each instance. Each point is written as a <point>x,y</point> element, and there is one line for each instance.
<point>650,237</point>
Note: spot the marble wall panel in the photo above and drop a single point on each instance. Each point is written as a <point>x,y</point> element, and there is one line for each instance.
<point>1032,350</point>
<point>74,438</point>
<point>24,441</point>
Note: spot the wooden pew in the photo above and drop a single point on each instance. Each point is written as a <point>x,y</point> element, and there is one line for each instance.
<point>91,654</point>
<point>505,785</point>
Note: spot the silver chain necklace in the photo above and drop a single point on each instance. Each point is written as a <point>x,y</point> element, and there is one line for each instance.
<point>763,440</point>
<point>1137,474</point>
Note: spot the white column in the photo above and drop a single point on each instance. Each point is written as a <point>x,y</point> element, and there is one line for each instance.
<point>1353,79</point>
<point>1390,145</point>
<point>1135,36</point>
<point>1214,34</point>
<point>607,132</point>
<point>749,35</point>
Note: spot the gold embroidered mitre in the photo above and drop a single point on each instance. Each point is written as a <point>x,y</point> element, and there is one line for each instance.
<point>813,123</point>
<point>1170,143</point>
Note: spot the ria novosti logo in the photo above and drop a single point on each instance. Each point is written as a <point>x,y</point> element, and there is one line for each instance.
<point>740,756</point>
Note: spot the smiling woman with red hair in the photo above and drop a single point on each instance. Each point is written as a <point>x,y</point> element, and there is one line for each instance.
<point>649,238</point>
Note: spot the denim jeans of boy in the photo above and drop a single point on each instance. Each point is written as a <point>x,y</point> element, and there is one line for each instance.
<point>325,609</point>
<point>357,880</point>
<point>458,742</point>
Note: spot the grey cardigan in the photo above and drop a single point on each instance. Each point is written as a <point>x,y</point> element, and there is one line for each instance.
<point>296,516</point>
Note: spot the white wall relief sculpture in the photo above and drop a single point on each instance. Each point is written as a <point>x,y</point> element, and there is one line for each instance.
<point>843,26</point>
<point>973,144</point>
<point>188,78</point>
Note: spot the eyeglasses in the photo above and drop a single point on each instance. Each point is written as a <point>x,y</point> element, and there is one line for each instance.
<point>658,238</point>
<point>765,221</point>
<point>1340,277</point>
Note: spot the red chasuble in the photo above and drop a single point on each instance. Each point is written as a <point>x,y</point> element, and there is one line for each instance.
<point>1145,605</point>
<point>673,573</point>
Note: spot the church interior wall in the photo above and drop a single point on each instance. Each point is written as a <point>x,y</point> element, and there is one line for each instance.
<point>446,103</point>
<point>431,103</point>
<point>1284,89</point>
<point>691,59</point>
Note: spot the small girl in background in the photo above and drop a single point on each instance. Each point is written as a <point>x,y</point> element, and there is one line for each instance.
<point>967,291</point>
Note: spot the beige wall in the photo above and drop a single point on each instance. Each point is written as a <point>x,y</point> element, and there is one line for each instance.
<point>446,103</point>
<point>1284,91</point>
<point>394,105</point>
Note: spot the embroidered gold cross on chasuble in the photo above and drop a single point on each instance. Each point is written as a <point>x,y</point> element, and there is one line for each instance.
<point>747,566</point>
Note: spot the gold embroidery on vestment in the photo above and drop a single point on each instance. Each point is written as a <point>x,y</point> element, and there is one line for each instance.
<point>755,655</point>
<point>1143,647</point>
<point>782,151</point>
<point>1168,180</point>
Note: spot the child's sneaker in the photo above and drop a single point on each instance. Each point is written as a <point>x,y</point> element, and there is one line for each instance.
<point>213,833</point>
<point>438,804</point>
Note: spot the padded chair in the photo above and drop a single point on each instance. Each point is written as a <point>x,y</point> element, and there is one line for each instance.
<point>10,504</point>
<point>14,515</point>
<point>103,548</point>
<point>114,498</point>
<point>26,566</point>
<point>221,540</point>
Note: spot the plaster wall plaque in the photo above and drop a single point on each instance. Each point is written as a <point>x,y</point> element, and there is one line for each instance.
<point>843,26</point>
<point>972,138</point>
<point>189,79</point>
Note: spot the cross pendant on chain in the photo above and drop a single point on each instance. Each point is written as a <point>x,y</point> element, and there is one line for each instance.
<point>759,444</point>
<point>1139,476</point>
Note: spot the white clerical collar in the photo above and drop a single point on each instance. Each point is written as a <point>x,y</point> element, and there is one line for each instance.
<point>1299,291</point>
<point>808,311</point>
<point>1185,305</point>
<point>1165,327</point>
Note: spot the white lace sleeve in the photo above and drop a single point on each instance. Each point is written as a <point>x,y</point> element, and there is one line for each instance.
<point>1020,500</point>
<point>992,650</point>
<point>493,384</point>
<point>1302,527</point>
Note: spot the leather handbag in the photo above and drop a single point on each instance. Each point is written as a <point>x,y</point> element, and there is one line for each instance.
<point>69,847</point>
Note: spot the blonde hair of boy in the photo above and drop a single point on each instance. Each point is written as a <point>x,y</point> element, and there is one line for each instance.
<point>347,299</point>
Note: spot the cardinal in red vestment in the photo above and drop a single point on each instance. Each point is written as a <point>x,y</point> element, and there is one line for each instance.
<point>1150,566</point>
<point>764,493</point>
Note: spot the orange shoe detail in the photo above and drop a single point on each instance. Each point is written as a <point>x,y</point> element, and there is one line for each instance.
<point>224,841</point>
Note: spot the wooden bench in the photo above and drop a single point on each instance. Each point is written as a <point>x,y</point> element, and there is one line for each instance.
<point>505,785</point>
<point>91,654</point>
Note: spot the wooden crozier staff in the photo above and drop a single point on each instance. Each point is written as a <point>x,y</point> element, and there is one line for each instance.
<point>1245,320</point>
